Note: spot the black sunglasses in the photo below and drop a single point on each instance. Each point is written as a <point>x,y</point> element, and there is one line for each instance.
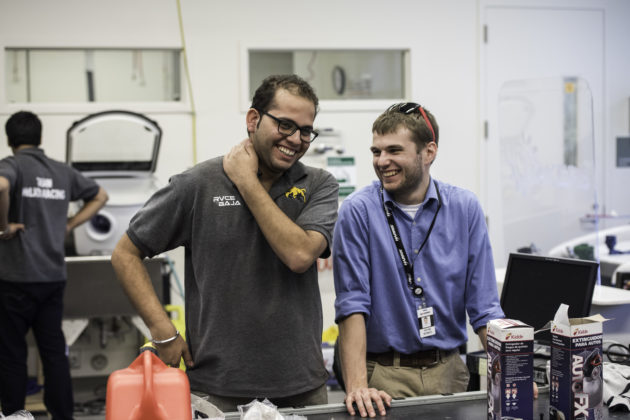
<point>412,108</point>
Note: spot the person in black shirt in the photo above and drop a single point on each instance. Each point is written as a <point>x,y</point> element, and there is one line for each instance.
<point>34,195</point>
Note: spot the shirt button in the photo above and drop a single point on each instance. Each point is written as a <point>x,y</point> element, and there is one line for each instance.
<point>418,279</point>
<point>414,223</point>
<point>415,250</point>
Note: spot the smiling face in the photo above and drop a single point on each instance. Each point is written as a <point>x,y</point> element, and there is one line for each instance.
<point>277,152</point>
<point>402,169</point>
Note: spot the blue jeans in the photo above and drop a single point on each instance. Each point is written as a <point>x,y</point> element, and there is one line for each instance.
<point>38,306</point>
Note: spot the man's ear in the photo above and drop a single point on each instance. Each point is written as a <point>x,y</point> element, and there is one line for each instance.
<point>430,153</point>
<point>252,118</point>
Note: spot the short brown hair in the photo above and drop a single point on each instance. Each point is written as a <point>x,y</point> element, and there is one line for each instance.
<point>392,119</point>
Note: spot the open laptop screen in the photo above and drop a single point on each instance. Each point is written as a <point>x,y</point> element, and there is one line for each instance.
<point>535,286</point>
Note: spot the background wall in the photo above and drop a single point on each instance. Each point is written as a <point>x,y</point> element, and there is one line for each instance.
<point>444,39</point>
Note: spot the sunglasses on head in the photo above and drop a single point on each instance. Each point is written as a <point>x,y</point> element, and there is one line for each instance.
<point>412,108</point>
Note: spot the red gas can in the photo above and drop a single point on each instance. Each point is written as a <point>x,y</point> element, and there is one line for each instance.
<point>148,390</point>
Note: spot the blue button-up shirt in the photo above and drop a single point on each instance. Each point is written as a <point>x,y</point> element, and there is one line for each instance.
<point>455,268</point>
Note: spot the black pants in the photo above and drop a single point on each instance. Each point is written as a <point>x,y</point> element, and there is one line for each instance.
<point>38,306</point>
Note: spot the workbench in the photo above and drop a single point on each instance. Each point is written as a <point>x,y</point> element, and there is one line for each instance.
<point>463,406</point>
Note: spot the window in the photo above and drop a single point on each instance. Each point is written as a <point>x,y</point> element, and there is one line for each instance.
<point>36,75</point>
<point>338,75</point>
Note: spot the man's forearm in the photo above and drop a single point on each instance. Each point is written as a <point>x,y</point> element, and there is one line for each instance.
<point>134,278</point>
<point>4,203</point>
<point>482,333</point>
<point>88,210</point>
<point>297,248</point>
<point>352,352</point>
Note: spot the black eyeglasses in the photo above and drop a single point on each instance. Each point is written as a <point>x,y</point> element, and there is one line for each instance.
<point>411,108</point>
<point>288,127</point>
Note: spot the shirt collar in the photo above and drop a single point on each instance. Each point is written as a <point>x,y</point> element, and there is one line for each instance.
<point>288,179</point>
<point>31,150</point>
<point>295,172</point>
<point>431,194</point>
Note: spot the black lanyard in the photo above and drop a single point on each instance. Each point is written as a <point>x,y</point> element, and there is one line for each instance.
<point>407,264</point>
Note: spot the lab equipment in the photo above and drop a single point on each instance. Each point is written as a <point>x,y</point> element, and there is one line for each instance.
<point>118,149</point>
<point>609,262</point>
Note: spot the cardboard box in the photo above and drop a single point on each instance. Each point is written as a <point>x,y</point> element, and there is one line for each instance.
<point>510,350</point>
<point>576,374</point>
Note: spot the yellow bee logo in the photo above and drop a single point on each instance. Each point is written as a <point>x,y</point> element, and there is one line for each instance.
<point>295,192</point>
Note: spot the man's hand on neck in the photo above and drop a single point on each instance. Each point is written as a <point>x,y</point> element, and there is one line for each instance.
<point>241,164</point>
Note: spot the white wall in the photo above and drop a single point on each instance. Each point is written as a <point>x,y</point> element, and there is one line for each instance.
<point>444,39</point>
<point>76,23</point>
<point>617,102</point>
<point>216,34</point>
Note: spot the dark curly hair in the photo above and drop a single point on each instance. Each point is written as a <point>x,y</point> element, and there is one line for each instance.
<point>263,98</point>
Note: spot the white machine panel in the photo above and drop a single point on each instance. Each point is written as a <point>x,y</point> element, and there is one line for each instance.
<point>119,150</point>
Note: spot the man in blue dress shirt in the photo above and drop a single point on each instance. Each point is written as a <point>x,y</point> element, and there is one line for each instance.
<point>411,258</point>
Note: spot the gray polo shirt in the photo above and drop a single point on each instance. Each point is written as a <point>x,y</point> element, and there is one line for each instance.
<point>253,326</point>
<point>41,189</point>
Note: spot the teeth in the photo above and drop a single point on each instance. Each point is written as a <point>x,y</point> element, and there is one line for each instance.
<point>286,150</point>
<point>390,173</point>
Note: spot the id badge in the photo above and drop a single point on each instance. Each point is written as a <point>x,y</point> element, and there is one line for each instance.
<point>426,320</point>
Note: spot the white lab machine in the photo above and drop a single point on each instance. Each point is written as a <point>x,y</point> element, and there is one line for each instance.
<point>119,150</point>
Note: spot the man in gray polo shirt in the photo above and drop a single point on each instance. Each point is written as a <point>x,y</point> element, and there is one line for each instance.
<point>253,223</point>
<point>34,195</point>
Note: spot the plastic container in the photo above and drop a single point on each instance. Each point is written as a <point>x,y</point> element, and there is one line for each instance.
<point>148,390</point>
